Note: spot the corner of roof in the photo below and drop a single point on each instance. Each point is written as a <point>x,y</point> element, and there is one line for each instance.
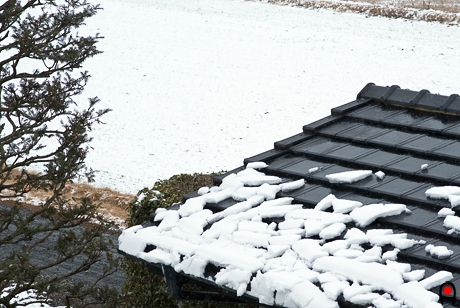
<point>418,100</point>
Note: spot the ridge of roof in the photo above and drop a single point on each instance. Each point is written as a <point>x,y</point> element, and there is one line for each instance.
<point>421,100</point>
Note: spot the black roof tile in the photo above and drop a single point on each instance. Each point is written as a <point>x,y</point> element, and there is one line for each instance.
<point>426,144</point>
<point>380,158</point>
<point>362,132</point>
<point>450,151</point>
<point>375,113</point>
<point>317,146</point>
<point>453,130</point>
<point>411,165</point>
<point>289,142</point>
<point>394,138</point>
<point>436,124</point>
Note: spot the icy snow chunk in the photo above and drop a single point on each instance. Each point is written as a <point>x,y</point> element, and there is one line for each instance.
<point>378,232</point>
<point>191,225</point>
<point>373,274</point>
<point>391,255</point>
<point>332,231</point>
<point>344,206</point>
<point>436,279</point>
<point>333,289</point>
<point>244,193</point>
<point>156,256</point>
<point>403,243</point>
<point>169,221</point>
<point>348,253</point>
<point>203,190</point>
<point>233,278</point>
<point>170,243</point>
<point>368,259</point>
<point>297,231</point>
<point>287,187</point>
<point>258,179</point>
<point>277,250</point>
<point>237,208</point>
<point>278,211</point>
<point>445,212</point>
<point>263,286</point>
<point>309,250</point>
<point>277,202</point>
<point>330,218</point>
<point>355,289</point>
<point>380,175</point>
<point>440,252</point>
<point>313,227</point>
<point>252,238</point>
<point>253,226</point>
<point>214,189</point>
<point>382,302</point>
<point>284,239</point>
<point>268,191</point>
<point>363,299</point>
<point>348,176</point>
<point>306,294</point>
<point>312,170</point>
<point>194,266</point>
<point>386,239</point>
<point>327,277</point>
<point>414,275</point>
<point>231,181</point>
<point>356,236</point>
<point>159,215</point>
<point>424,167</point>
<point>374,251</point>
<point>356,247</point>
<point>414,294</point>
<point>257,165</point>
<point>192,205</point>
<point>130,243</point>
<point>454,200</point>
<point>452,222</point>
<point>442,192</point>
<point>219,196</point>
<point>227,255</point>
<point>291,224</point>
<point>365,215</point>
<point>325,203</point>
<point>336,245</point>
<point>399,267</point>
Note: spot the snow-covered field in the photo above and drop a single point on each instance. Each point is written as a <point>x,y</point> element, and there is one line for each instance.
<point>198,85</point>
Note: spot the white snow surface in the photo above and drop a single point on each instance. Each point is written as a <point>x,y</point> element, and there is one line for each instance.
<point>199,85</point>
<point>279,260</point>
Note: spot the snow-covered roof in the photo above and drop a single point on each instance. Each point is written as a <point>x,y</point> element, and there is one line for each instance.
<point>358,209</point>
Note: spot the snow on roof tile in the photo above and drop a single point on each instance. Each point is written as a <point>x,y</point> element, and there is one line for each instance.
<point>311,228</point>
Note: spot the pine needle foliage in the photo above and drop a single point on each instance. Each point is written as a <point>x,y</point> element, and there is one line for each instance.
<point>144,289</point>
<point>43,145</point>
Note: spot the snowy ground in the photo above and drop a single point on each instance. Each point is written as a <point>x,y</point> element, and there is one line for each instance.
<point>198,85</point>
